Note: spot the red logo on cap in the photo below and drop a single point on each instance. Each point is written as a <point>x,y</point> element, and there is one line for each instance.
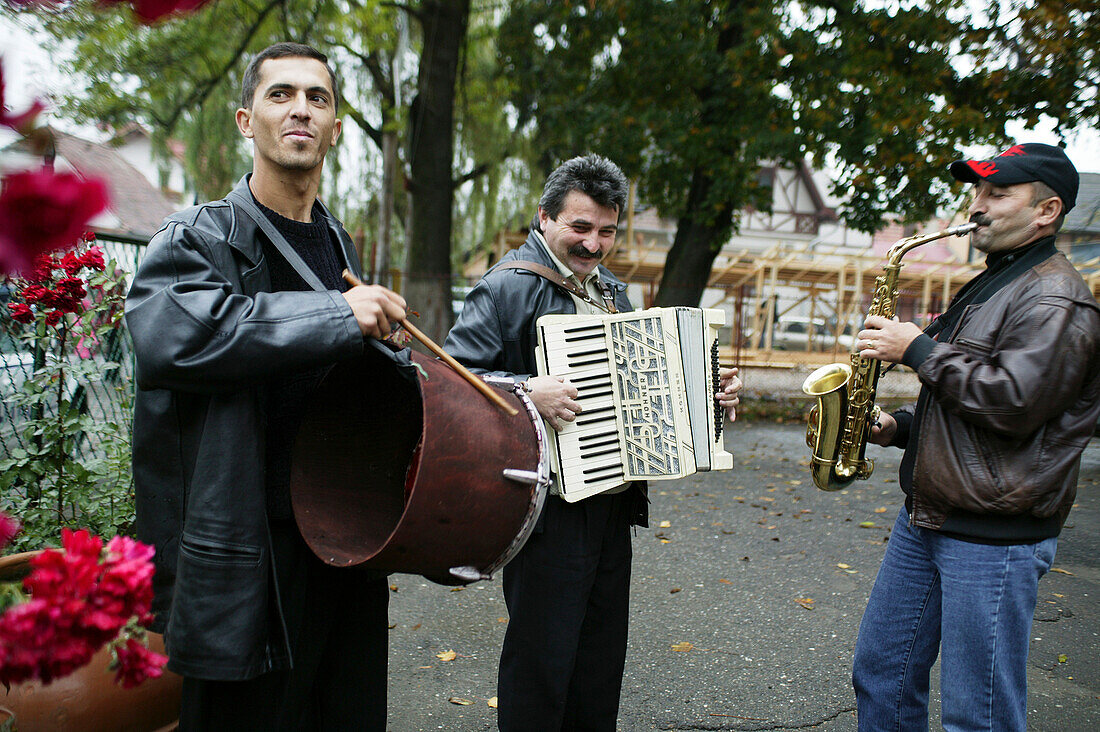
<point>984,168</point>
<point>1013,151</point>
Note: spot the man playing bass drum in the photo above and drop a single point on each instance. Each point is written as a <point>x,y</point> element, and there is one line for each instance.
<point>1010,394</point>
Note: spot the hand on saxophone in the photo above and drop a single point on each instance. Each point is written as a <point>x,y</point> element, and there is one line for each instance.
<point>883,431</point>
<point>885,339</point>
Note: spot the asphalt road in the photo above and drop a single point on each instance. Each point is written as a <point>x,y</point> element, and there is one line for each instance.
<point>745,607</point>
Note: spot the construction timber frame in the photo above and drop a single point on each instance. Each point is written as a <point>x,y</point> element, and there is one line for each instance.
<point>834,284</point>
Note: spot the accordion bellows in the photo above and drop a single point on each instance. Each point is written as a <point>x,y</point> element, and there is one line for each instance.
<point>647,381</point>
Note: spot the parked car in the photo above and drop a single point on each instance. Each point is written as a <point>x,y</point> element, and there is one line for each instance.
<point>793,334</point>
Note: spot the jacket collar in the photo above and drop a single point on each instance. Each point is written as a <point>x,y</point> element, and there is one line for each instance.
<point>245,236</point>
<point>533,251</point>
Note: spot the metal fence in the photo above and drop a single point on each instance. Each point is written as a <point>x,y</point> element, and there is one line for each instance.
<point>106,398</point>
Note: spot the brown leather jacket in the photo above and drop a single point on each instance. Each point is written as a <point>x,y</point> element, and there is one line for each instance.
<point>1015,397</point>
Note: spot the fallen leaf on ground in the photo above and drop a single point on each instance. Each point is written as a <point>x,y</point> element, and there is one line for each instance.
<point>674,590</point>
<point>806,602</point>
<point>665,525</point>
<point>842,565</point>
<point>1062,571</point>
<point>492,702</point>
<point>446,656</point>
<point>882,509</point>
<point>682,647</point>
<point>725,581</point>
<point>457,589</point>
<point>460,701</point>
<point>1062,658</point>
<point>866,524</point>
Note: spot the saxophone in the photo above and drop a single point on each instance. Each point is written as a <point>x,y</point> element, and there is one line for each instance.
<point>841,421</point>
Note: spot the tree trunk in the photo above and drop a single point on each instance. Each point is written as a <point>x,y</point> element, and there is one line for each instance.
<point>697,243</point>
<point>431,153</point>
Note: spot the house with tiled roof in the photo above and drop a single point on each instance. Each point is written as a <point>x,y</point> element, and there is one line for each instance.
<point>137,205</point>
<point>1080,235</point>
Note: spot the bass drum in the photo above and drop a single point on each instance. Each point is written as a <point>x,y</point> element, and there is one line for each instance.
<point>400,465</point>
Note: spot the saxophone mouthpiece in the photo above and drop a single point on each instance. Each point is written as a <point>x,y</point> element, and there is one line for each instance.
<point>964,228</point>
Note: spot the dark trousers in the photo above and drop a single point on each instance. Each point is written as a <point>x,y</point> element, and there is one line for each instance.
<point>567,592</point>
<point>337,625</point>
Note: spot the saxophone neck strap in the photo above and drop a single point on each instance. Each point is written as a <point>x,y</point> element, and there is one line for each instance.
<point>556,279</point>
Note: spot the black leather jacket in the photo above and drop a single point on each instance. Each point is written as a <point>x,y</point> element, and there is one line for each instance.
<point>495,333</point>
<point>208,334</point>
<point>1015,394</point>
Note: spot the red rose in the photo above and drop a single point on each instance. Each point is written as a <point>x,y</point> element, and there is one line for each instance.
<point>20,313</point>
<point>93,258</point>
<point>42,210</point>
<point>53,317</point>
<point>71,263</point>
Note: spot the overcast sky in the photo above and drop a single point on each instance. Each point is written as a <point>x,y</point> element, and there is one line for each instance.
<point>29,73</point>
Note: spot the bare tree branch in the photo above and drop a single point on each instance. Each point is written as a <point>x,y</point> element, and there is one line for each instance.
<point>200,93</point>
<point>361,122</point>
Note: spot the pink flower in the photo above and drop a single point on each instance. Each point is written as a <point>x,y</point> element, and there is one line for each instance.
<point>136,663</point>
<point>150,11</point>
<point>82,598</point>
<point>9,527</point>
<point>41,211</point>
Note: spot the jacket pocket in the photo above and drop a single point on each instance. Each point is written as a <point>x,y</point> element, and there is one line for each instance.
<point>219,618</point>
<point>979,348</point>
<point>221,553</point>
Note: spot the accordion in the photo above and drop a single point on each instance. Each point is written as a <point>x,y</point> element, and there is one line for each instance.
<point>646,383</point>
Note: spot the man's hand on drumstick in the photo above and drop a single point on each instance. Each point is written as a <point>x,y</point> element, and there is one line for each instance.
<point>729,385</point>
<point>554,397</point>
<point>375,307</point>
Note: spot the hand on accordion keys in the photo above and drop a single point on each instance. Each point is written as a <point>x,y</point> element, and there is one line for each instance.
<point>729,386</point>
<point>555,398</point>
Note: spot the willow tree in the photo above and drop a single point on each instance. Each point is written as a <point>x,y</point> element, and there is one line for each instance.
<point>399,64</point>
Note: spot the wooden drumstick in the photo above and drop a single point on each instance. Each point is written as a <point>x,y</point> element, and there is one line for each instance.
<point>461,370</point>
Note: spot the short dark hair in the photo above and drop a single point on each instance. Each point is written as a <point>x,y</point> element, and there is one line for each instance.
<point>593,175</point>
<point>1040,191</point>
<point>283,50</point>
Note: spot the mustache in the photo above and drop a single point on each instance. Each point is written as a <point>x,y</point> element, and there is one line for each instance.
<point>980,219</point>
<point>579,251</point>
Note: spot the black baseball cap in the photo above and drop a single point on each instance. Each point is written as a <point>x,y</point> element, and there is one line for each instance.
<point>1024,163</point>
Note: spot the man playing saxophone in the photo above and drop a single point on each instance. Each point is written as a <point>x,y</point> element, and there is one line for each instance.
<point>1010,394</point>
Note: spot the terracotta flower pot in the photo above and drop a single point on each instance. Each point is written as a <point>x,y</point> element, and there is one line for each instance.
<point>89,700</point>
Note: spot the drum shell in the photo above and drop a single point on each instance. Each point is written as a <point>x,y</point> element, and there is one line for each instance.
<point>394,474</point>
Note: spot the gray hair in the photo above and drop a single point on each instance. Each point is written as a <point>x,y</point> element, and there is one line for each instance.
<point>593,175</point>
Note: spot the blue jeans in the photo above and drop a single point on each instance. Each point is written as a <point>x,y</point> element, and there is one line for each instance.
<point>976,601</point>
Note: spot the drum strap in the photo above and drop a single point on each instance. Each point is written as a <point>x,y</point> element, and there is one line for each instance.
<point>555,278</point>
